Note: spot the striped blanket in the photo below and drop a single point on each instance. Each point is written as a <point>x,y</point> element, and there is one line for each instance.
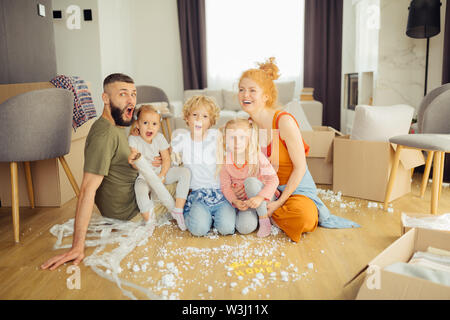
<point>83,106</point>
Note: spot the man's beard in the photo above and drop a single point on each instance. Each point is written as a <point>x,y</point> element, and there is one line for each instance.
<point>117,115</point>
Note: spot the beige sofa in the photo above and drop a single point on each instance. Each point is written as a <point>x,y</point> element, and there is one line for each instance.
<point>230,108</point>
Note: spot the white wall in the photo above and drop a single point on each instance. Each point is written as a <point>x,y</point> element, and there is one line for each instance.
<point>402,59</point>
<point>136,37</point>
<point>156,45</point>
<point>78,51</point>
<point>116,47</point>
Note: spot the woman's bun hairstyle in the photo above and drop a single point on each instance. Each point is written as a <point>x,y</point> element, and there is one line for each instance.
<point>264,77</point>
<point>270,68</point>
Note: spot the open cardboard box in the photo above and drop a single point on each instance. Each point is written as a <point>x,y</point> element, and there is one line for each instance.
<point>320,157</point>
<point>405,229</point>
<point>361,168</point>
<point>380,284</point>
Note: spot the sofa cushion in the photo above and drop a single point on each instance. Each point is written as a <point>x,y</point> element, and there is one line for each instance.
<point>285,91</point>
<point>190,93</point>
<point>381,123</point>
<point>230,100</point>
<point>217,96</point>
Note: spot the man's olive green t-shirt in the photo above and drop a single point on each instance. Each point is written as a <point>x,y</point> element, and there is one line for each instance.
<point>106,153</point>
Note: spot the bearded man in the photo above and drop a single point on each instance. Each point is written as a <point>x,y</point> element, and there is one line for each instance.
<point>108,179</point>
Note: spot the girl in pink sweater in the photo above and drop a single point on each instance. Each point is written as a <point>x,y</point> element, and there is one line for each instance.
<point>247,179</point>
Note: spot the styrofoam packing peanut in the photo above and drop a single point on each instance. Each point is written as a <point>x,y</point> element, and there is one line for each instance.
<point>259,275</point>
<point>169,281</point>
<point>256,282</point>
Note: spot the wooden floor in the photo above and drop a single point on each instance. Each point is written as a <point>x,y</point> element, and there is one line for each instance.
<point>318,266</point>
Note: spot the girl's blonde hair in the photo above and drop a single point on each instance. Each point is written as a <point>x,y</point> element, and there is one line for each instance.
<point>202,101</point>
<point>252,151</point>
<point>143,109</point>
<point>264,77</point>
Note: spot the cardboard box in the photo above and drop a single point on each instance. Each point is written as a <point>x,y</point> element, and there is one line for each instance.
<point>405,229</point>
<point>380,284</point>
<point>320,157</point>
<point>361,168</point>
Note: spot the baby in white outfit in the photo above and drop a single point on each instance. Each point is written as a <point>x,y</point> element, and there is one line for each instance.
<point>150,144</point>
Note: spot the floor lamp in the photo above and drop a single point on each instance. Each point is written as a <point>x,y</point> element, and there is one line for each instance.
<point>424,21</point>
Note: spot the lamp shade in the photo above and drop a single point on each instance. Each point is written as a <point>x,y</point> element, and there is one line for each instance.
<point>424,19</point>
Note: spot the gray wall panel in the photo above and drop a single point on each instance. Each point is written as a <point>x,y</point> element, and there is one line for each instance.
<point>30,43</point>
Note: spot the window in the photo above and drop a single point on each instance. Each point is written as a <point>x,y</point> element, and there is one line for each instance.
<point>240,33</point>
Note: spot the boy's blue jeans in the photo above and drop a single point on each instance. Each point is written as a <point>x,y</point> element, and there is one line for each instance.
<point>201,217</point>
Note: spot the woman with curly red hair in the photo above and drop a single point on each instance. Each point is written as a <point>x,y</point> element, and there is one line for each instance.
<point>298,209</point>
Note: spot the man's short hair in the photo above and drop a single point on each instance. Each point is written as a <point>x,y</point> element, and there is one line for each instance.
<point>117,77</point>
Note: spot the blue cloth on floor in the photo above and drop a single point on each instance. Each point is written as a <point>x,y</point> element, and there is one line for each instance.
<point>307,187</point>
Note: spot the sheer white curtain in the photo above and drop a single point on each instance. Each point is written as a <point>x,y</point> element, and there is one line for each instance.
<point>240,33</point>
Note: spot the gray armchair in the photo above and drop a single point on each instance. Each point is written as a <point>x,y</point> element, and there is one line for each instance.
<point>155,94</point>
<point>433,136</point>
<point>36,125</point>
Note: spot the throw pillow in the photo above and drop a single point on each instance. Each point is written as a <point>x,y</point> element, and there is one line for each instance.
<point>230,100</point>
<point>295,108</point>
<point>216,95</point>
<point>190,93</point>
<point>375,123</point>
